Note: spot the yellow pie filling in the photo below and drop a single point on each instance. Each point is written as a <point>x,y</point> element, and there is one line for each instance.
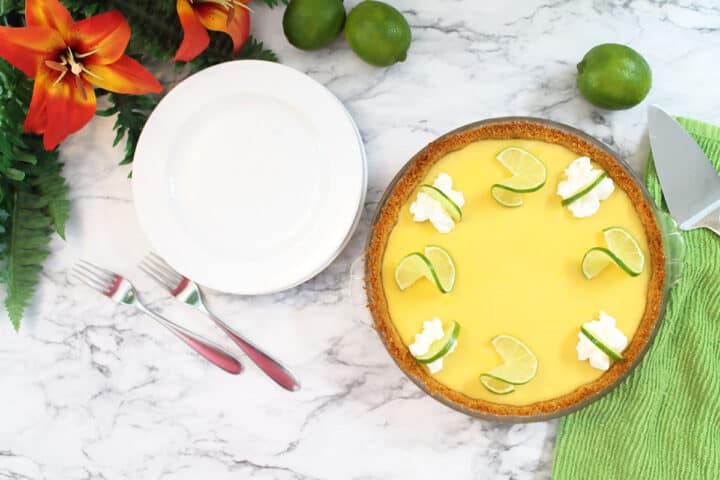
<point>518,273</point>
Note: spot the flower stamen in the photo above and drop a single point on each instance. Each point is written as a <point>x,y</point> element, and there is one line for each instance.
<point>69,63</point>
<point>60,77</point>
<point>75,67</point>
<point>86,54</point>
<point>92,74</point>
<point>57,66</point>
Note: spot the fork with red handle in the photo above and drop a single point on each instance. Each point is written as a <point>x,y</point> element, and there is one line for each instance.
<point>188,292</point>
<point>121,291</point>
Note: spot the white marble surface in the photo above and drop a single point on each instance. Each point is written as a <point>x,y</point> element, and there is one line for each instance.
<point>93,391</point>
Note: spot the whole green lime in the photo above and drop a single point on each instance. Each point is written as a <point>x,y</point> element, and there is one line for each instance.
<point>614,76</point>
<point>313,24</point>
<point>378,33</point>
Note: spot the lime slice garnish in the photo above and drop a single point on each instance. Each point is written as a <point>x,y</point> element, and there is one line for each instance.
<point>448,205</point>
<point>622,249</point>
<point>412,268</point>
<point>596,260</point>
<point>506,198</point>
<point>610,352</point>
<point>529,175</point>
<point>585,190</point>
<point>496,386</point>
<point>519,362</point>
<point>529,172</point>
<point>440,270</point>
<point>443,267</point>
<point>626,248</point>
<point>440,348</point>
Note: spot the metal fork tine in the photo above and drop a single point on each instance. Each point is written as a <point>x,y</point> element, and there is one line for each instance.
<point>163,267</point>
<point>157,263</point>
<point>155,275</point>
<point>155,256</point>
<point>94,269</point>
<point>161,261</point>
<point>171,280</point>
<point>81,277</point>
<point>93,266</point>
<point>100,278</point>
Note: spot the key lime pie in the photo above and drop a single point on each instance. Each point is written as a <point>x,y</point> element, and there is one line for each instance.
<point>515,270</point>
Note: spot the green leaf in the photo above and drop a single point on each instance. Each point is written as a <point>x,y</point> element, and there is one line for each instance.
<point>132,113</point>
<point>222,52</point>
<point>50,185</point>
<point>28,237</point>
<point>15,174</point>
<point>108,112</point>
<point>119,134</point>
<point>25,157</point>
<point>255,50</point>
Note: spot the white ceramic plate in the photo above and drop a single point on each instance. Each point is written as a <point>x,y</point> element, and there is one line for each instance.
<point>249,177</point>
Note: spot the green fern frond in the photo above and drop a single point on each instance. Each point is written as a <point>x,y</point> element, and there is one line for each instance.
<point>252,50</point>
<point>9,7</point>
<point>28,236</point>
<point>132,113</point>
<point>32,195</point>
<point>47,180</point>
<point>255,50</point>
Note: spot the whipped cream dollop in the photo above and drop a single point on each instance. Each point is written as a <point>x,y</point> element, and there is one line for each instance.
<point>427,208</point>
<point>431,332</point>
<point>604,330</point>
<point>580,173</point>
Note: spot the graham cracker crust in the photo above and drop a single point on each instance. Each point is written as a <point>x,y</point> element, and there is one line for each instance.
<point>387,215</point>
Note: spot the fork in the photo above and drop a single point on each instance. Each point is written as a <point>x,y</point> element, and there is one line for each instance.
<point>120,290</point>
<point>188,292</point>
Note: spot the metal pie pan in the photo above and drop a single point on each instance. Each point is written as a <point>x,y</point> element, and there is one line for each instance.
<point>673,247</point>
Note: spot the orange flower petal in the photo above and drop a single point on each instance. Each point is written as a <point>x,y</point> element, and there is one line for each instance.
<point>36,119</point>
<point>68,109</point>
<point>195,37</point>
<point>214,17</point>
<point>106,34</point>
<point>27,47</point>
<point>124,76</point>
<point>49,13</point>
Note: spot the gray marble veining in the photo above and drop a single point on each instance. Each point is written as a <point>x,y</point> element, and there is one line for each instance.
<point>93,391</point>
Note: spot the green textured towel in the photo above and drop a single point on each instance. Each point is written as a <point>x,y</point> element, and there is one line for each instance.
<point>663,422</point>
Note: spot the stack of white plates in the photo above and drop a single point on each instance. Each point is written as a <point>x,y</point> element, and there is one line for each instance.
<point>249,177</point>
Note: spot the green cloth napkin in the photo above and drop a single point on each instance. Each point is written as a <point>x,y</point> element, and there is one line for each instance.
<point>663,422</point>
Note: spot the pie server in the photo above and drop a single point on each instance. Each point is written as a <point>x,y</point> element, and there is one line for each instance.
<point>689,181</point>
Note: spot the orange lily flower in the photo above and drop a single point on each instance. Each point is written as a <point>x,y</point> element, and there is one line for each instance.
<point>67,59</point>
<point>229,16</point>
